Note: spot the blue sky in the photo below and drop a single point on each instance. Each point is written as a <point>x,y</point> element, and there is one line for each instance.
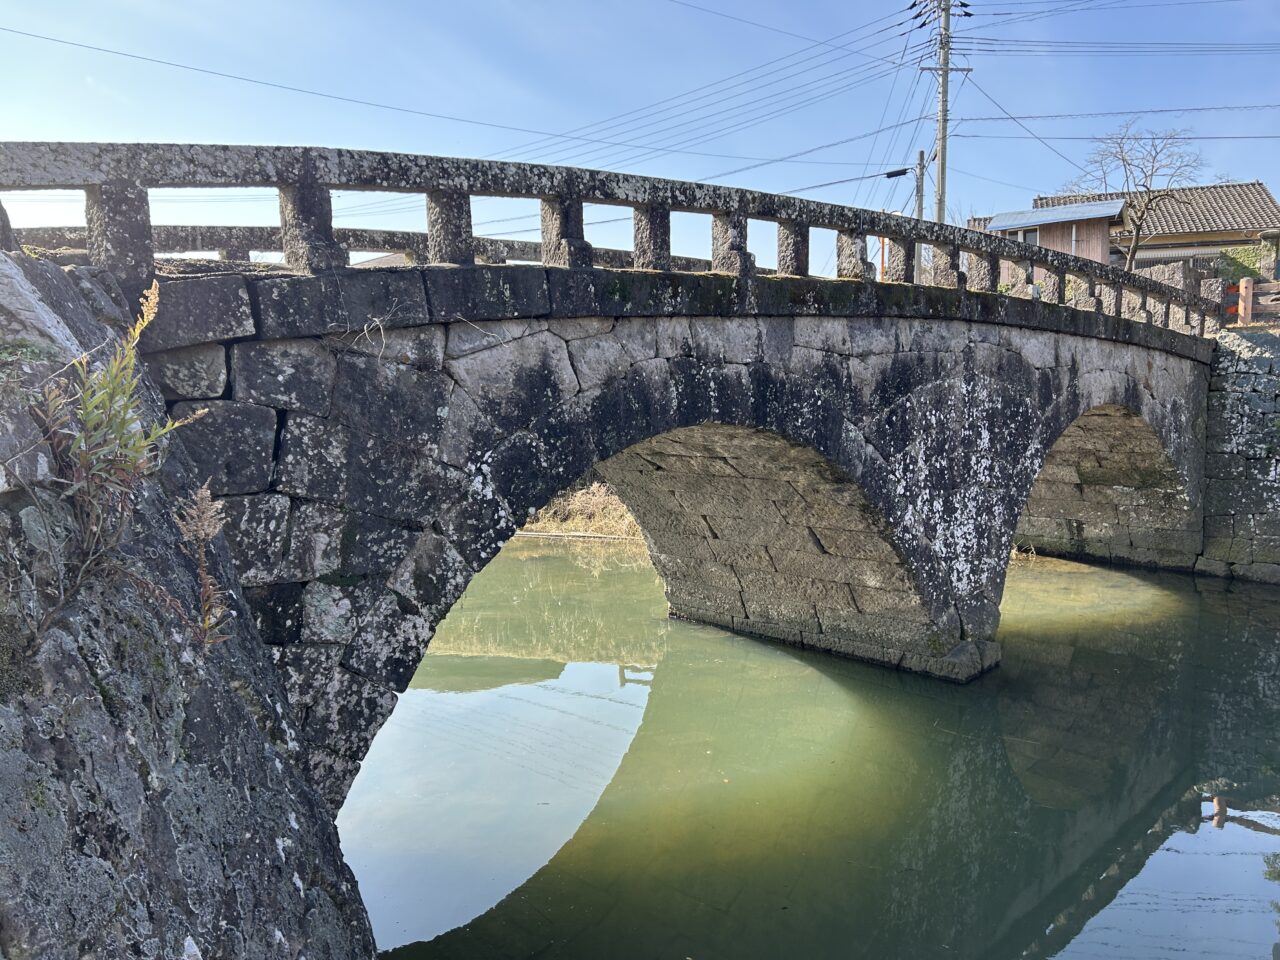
<point>557,65</point>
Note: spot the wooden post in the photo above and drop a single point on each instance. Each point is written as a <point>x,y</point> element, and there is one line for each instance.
<point>1246,300</point>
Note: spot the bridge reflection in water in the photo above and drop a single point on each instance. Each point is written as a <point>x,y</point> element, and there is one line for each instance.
<point>752,800</point>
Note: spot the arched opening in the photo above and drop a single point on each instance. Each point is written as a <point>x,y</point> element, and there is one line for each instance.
<point>765,537</point>
<point>1108,491</point>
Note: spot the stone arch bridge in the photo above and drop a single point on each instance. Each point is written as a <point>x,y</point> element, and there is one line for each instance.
<point>840,463</point>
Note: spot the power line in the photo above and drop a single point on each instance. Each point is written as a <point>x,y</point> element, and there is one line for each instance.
<point>324,95</point>
<point>609,123</point>
<point>979,176</point>
<point>886,174</point>
<point>1113,5</point>
<point>1121,113</point>
<point>1016,136</point>
<point>809,150</point>
<point>753,120</point>
<point>738,116</point>
<point>891,146</point>
<point>764,26</point>
<point>842,50</point>
<point>1072,6</point>
<point>884,109</point>
<point>977,86</point>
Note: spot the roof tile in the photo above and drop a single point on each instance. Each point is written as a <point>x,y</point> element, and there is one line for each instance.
<point>1202,209</point>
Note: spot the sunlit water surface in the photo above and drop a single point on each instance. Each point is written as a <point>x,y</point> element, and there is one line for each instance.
<point>572,774</point>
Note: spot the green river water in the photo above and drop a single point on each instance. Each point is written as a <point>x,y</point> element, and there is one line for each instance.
<point>573,774</point>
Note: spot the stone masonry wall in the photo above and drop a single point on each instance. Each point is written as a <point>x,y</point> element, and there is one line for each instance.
<point>1242,465</point>
<point>1109,492</point>
<point>378,434</point>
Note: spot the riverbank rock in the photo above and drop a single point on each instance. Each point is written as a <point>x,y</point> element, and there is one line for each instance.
<point>150,805</point>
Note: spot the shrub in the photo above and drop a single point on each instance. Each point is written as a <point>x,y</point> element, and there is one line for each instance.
<point>1236,263</point>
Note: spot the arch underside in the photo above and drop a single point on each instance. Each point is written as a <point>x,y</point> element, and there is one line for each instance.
<point>765,537</point>
<point>1108,491</point>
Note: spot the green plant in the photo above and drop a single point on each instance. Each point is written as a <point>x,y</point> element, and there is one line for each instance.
<point>1236,263</point>
<point>15,356</point>
<point>91,420</point>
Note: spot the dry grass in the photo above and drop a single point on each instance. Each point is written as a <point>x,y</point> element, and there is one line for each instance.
<point>1022,553</point>
<point>593,510</point>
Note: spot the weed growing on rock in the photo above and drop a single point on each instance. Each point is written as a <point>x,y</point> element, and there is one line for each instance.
<point>91,420</point>
<point>200,520</point>
<point>15,356</point>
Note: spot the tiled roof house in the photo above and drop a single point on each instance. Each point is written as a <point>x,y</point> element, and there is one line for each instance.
<point>1197,222</point>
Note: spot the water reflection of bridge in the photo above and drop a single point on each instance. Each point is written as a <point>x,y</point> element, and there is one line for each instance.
<point>994,821</point>
<point>556,626</point>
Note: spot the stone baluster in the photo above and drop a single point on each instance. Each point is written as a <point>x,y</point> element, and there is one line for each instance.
<point>118,216</point>
<point>449,237</point>
<point>729,243</point>
<point>1112,297</point>
<point>793,248</point>
<point>1144,314</point>
<point>651,232</point>
<point>238,252</point>
<point>1053,285</point>
<point>1089,299</point>
<point>1158,308</point>
<point>946,265</point>
<point>306,223</point>
<point>563,244</point>
<point>851,256</point>
<point>982,271</point>
<point>900,260</point>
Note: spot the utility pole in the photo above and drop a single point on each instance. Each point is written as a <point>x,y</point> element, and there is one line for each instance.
<point>944,71</point>
<point>920,185</point>
<point>944,78</point>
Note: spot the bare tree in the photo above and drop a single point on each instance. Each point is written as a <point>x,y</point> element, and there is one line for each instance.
<point>1145,165</point>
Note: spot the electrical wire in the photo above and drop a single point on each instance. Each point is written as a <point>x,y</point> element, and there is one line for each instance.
<point>321,94</point>
<point>977,86</point>
<point>610,123</point>
<point>786,100</point>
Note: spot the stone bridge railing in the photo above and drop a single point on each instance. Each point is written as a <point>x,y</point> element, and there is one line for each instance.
<point>236,243</point>
<point>120,236</point>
